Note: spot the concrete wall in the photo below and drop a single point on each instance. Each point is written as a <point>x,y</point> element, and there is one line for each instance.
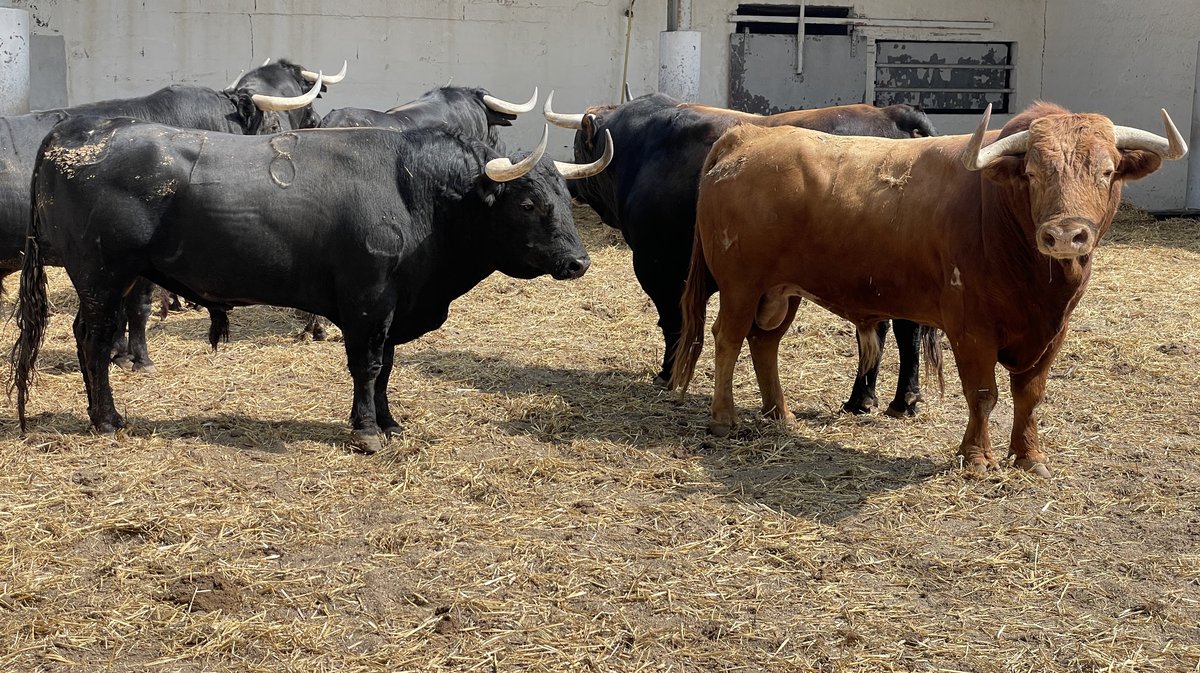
<point>1126,60</point>
<point>397,48</point>
<point>1112,56</point>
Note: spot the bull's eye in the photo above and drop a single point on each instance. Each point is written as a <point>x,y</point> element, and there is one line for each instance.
<point>527,205</point>
<point>1108,174</point>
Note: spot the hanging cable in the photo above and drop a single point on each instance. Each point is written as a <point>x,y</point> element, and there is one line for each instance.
<point>623,93</point>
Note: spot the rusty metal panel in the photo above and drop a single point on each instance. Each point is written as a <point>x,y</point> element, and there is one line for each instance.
<point>762,75</point>
<point>944,76</point>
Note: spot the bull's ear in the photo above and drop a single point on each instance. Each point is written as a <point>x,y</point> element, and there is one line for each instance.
<point>588,128</point>
<point>1006,170</point>
<point>250,117</point>
<point>499,118</point>
<point>1137,164</point>
<point>488,190</point>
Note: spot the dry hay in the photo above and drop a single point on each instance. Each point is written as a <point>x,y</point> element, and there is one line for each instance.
<point>549,510</point>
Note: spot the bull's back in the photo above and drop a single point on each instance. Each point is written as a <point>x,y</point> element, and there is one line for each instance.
<point>832,215</point>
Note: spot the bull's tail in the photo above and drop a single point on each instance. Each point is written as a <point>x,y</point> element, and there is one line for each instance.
<point>870,348</point>
<point>931,343</point>
<point>32,315</point>
<point>694,305</point>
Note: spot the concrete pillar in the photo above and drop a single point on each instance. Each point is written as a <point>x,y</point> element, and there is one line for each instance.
<point>679,64</point>
<point>1193,173</point>
<point>14,61</point>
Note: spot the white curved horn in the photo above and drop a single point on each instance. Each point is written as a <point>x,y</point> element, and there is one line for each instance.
<point>284,103</point>
<point>328,79</point>
<point>233,84</point>
<point>506,107</point>
<point>1171,147</point>
<point>571,171</point>
<point>504,170</point>
<point>976,160</point>
<point>563,120</point>
<point>266,62</point>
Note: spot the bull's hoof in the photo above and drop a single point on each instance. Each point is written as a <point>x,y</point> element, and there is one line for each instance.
<point>662,382</point>
<point>147,368</point>
<point>319,334</point>
<point>859,406</point>
<point>123,361</point>
<point>898,409</point>
<point>1037,467</point>
<point>390,429</point>
<point>787,418</point>
<point>719,429</point>
<point>978,463</point>
<point>364,443</point>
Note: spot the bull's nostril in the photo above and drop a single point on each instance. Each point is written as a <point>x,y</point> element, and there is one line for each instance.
<point>1080,238</point>
<point>579,266</point>
<point>1048,240</point>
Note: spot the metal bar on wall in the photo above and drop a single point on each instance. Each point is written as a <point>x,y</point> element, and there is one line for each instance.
<point>800,39</point>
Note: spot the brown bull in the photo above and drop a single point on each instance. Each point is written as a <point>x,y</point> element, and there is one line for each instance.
<point>996,254</point>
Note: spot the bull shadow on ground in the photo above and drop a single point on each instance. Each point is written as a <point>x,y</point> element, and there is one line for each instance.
<point>762,462</point>
<point>235,431</point>
<point>246,323</point>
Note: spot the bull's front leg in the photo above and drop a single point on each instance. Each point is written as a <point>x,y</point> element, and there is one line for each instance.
<point>137,314</point>
<point>383,413</point>
<point>364,358</point>
<point>977,369</point>
<point>1028,390</point>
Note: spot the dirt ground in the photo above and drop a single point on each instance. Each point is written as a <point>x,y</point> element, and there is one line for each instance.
<point>548,509</point>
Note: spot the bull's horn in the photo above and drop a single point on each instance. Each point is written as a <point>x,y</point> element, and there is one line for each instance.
<point>628,96</point>
<point>1171,147</point>
<point>266,61</point>
<point>504,170</point>
<point>328,79</point>
<point>284,103</point>
<point>233,84</point>
<point>565,121</point>
<point>976,160</point>
<point>578,171</point>
<point>506,107</point>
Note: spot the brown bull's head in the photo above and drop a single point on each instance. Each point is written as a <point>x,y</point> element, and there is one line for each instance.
<point>1073,166</point>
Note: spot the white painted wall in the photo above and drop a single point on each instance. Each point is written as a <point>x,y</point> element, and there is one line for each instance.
<point>1125,59</point>
<point>397,48</point>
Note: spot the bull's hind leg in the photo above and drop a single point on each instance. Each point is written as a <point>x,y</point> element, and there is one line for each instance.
<point>908,383</point>
<point>734,320</point>
<point>862,395</point>
<point>774,316</point>
<point>95,331</point>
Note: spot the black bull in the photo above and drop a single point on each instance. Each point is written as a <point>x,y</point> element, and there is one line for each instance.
<point>461,109</point>
<point>378,230</point>
<point>649,194</point>
<point>229,111</point>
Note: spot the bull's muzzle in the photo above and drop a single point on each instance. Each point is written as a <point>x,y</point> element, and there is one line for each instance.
<point>573,268</point>
<point>1067,238</point>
